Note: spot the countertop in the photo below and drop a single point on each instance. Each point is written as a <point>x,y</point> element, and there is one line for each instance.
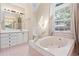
<point>8,31</point>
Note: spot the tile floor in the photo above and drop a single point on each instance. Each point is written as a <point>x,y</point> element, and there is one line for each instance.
<point>19,50</point>
<point>22,50</point>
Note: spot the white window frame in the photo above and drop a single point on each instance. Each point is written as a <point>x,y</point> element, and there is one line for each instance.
<point>62,6</point>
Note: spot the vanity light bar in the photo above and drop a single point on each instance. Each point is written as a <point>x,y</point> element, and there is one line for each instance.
<point>13,11</point>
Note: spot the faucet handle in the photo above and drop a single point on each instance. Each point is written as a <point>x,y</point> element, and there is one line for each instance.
<point>51,33</point>
<point>34,35</point>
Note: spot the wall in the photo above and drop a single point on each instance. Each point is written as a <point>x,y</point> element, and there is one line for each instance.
<point>32,17</point>
<point>29,20</point>
<point>43,10</point>
<point>29,17</point>
<point>11,7</point>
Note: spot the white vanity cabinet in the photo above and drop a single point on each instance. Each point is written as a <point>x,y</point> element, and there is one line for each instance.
<point>4,40</point>
<point>13,38</point>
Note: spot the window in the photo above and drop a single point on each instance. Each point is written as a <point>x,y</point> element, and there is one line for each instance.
<point>62,17</point>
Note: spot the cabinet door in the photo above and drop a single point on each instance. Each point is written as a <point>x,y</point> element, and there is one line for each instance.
<point>4,45</point>
<point>16,38</point>
<point>25,37</point>
<point>13,34</point>
<point>4,35</point>
<point>20,38</point>
<point>4,40</point>
<point>13,39</point>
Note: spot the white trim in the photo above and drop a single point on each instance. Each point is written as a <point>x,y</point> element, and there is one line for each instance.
<point>64,5</point>
<point>69,33</point>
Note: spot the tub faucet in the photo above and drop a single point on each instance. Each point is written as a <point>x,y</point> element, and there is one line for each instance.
<point>33,37</point>
<point>59,38</point>
<point>51,33</point>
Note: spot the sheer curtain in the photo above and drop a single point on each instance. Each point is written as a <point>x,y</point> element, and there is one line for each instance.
<point>76,22</point>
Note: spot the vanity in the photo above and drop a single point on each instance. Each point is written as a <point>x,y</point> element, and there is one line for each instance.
<point>12,31</point>
<point>12,38</point>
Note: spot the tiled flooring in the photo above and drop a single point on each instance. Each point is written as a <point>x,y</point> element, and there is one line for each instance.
<point>19,50</point>
<point>22,50</point>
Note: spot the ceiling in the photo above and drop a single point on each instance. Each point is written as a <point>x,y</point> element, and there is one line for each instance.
<point>34,6</point>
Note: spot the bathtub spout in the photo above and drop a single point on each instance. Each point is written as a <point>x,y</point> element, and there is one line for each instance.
<point>51,33</point>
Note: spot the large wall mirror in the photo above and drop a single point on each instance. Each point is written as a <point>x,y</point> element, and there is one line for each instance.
<point>12,16</point>
<point>12,21</point>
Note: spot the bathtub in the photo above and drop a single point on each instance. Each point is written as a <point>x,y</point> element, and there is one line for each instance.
<point>53,46</point>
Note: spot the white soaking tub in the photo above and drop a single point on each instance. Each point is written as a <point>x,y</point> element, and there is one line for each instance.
<point>53,46</point>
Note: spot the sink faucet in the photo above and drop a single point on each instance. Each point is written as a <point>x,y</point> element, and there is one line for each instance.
<point>35,37</point>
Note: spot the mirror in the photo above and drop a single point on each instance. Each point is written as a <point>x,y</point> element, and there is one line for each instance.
<point>12,21</point>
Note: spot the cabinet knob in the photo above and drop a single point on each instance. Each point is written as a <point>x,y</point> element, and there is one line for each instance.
<point>9,41</point>
<point>9,44</point>
<point>9,38</point>
<point>9,34</point>
<point>23,33</point>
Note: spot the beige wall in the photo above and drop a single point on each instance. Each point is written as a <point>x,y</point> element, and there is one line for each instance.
<point>11,7</point>
<point>29,22</point>
<point>43,10</point>
<point>31,18</point>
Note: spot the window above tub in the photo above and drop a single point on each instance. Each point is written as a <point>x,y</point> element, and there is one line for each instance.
<point>62,20</point>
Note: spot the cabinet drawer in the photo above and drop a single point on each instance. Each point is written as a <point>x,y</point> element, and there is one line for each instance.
<point>4,35</point>
<point>3,38</point>
<point>15,34</point>
<point>16,38</point>
<point>12,34</point>
<point>26,37</point>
